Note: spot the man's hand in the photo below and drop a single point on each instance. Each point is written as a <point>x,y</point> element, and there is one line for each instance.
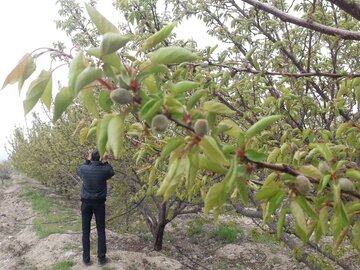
<point>89,155</point>
<point>105,158</point>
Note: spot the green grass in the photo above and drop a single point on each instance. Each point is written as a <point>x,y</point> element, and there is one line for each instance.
<point>51,217</point>
<point>63,265</point>
<point>227,233</point>
<point>261,237</point>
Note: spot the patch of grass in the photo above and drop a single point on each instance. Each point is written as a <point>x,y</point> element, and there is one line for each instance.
<point>261,237</point>
<point>51,217</point>
<point>108,268</point>
<point>227,233</point>
<point>63,265</point>
<point>72,246</point>
<point>196,227</point>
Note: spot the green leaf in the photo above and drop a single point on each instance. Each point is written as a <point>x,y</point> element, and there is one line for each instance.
<point>104,101</point>
<point>342,129</point>
<point>195,98</point>
<point>310,170</point>
<point>158,36</point>
<point>112,42</point>
<point>268,191</point>
<point>353,208</point>
<point>94,51</point>
<point>275,202</point>
<point>47,95</point>
<point>211,149</point>
<point>273,155</point>
<point>62,100</point>
<point>231,176</point>
<point>172,55</point>
<point>281,223</point>
<point>307,207</point>
<point>36,90</point>
<point>116,135</point>
<point>24,68</point>
<point>299,215</point>
<point>77,65</point>
<point>215,197</point>
<point>217,107</point>
<point>150,109</point>
<point>323,182</point>
<point>235,131</point>
<point>262,124</point>
<point>88,100</point>
<point>325,151</point>
<point>353,173</point>
<point>172,178</point>
<point>255,156</point>
<point>171,172</point>
<point>113,60</point>
<point>324,220</point>
<point>191,170</point>
<point>211,166</point>
<point>356,235</point>
<point>171,145</point>
<point>150,84</point>
<point>83,134</point>
<point>102,133</point>
<point>357,94</point>
<point>243,190</point>
<point>184,86</point>
<point>87,76</point>
<point>101,23</point>
<point>173,105</point>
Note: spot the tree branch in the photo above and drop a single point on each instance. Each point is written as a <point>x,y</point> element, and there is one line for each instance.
<point>287,74</point>
<point>287,169</point>
<point>350,7</point>
<point>286,17</point>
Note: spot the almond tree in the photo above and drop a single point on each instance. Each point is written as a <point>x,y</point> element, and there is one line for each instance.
<point>273,120</point>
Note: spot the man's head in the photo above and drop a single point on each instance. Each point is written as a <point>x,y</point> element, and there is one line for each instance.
<point>95,156</point>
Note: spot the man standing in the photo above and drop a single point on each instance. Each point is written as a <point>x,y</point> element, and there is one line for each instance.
<point>94,175</point>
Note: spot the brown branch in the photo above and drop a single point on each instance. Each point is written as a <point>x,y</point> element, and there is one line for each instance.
<point>350,7</point>
<point>287,74</point>
<point>286,17</point>
<point>240,113</point>
<point>287,169</point>
<point>180,123</point>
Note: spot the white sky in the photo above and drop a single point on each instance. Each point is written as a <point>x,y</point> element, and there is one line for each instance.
<point>26,25</point>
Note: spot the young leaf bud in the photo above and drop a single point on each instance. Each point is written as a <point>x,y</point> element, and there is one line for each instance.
<point>201,127</point>
<point>346,184</point>
<point>159,123</point>
<point>121,96</point>
<point>302,184</point>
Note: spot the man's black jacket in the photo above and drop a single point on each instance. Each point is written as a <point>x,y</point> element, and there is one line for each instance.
<point>94,175</point>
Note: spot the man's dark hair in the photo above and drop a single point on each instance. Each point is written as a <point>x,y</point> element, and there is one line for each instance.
<point>95,156</point>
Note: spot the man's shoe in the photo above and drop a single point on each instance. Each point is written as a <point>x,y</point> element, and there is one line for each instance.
<point>102,261</point>
<point>87,262</point>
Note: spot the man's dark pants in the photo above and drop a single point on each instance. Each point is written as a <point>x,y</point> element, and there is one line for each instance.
<point>89,208</point>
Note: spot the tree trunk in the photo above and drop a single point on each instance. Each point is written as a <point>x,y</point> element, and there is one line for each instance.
<point>159,236</point>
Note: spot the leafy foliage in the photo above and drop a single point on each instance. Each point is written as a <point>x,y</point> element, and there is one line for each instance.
<point>280,102</point>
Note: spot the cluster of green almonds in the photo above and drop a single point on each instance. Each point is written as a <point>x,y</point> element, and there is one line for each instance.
<point>160,123</point>
<point>303,185</point>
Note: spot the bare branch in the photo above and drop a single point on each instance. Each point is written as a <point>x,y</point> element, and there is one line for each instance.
<point>286,17</point>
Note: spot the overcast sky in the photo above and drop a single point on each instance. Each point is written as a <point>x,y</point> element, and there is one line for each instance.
<point>26,25</point>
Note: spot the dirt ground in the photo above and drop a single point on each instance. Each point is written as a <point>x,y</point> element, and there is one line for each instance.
<point>20,248</point>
